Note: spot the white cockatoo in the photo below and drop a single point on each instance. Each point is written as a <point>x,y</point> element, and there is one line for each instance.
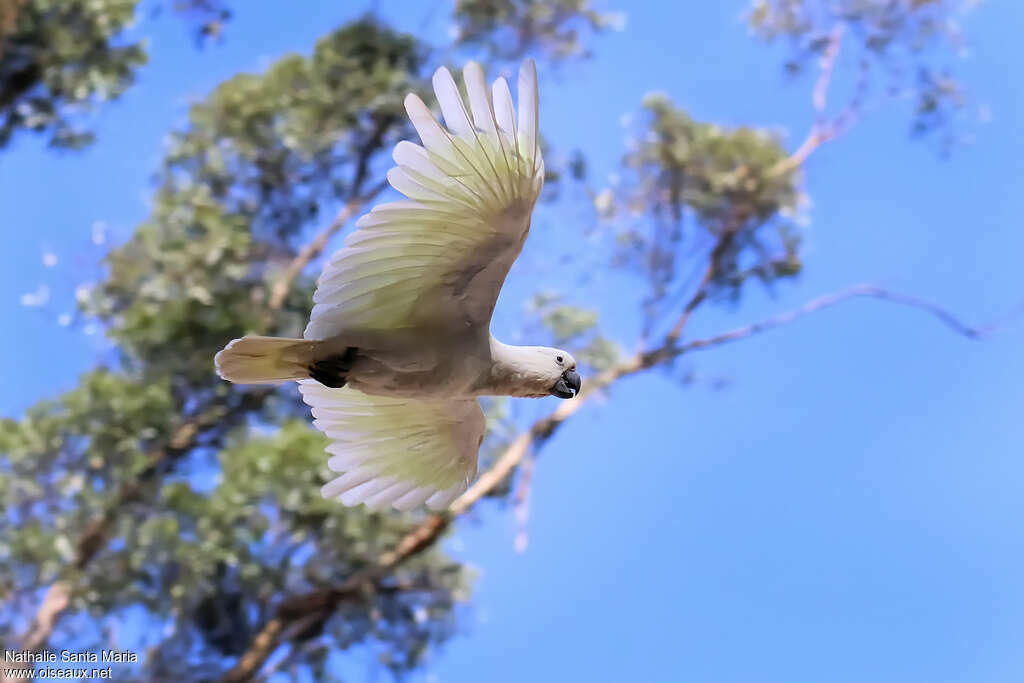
<point>398,346</point>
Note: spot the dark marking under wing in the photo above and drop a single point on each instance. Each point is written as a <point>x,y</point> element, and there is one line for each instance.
<point>333,370</point>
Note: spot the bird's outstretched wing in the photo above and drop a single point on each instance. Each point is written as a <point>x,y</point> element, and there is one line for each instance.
<point>396,451</point>
<point>439,258</point>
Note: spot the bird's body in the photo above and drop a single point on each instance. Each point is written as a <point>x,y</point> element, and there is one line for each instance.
<point>434,365</point>
<point>398,347</point>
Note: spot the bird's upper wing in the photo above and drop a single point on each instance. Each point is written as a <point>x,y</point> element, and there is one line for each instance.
<point>439,258</point>
<point>396,451</point>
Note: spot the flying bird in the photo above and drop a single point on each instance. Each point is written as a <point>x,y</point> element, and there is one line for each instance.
<point>398,346</point>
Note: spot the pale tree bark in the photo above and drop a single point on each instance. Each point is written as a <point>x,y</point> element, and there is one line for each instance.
<point>825,128</point>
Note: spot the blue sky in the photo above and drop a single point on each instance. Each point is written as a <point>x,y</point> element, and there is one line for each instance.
<point>847,509</point>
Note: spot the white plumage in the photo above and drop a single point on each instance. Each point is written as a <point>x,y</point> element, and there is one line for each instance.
<point>402,312</point>
<point>374,437</point>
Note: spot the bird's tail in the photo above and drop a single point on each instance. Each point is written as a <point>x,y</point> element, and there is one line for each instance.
<point>265,360</point>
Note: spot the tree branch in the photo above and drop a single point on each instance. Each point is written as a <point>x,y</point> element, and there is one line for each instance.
<point>522,503</point>
<point>303,610</point>
<point>821,131</point>
<point>819,96</point>
<point>187,435</point>
<point>9,10</point>
<point>373,143</point>
<point>828,300</point>
<point>183,440</point>
<point>91,540</point>
<point>316,247</point>
<point>718,252</point>
<point>56,600</point>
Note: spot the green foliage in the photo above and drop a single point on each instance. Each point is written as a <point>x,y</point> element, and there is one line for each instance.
<point>599,353</point>
<point>264,157</point>
<point>206,559</point>
<point>264,528</point>
<point>61,461</point>
<point>272,144</point>
<point>690,188</point>
<point>181,285</point>
<point>510,29</point>
<point>60,58</point>
<point>145,486</point>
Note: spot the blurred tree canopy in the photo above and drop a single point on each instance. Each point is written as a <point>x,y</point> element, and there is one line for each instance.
<point>688,182</point>
<point>57,58</point>
<point>114,506</point>
<point>60,58</point>
<point>154,485</point>
<point>263,158</point>
<point>510,29</point>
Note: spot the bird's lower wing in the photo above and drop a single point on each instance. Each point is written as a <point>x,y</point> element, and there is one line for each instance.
<point>396,451</point>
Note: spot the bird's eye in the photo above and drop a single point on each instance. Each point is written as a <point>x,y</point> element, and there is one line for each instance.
<point>559,359</point>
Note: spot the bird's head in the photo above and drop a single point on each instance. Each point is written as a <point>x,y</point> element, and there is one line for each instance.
<point>534,371</point>
<point>558,370</point>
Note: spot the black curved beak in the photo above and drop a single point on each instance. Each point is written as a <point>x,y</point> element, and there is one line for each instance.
<point>568,385</point>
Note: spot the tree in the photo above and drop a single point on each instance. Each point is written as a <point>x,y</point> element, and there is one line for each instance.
<point>154,484</point>
<point>900,48</point>
<point>60,59</point>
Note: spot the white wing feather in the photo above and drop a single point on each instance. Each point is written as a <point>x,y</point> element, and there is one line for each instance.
<point>396,451</point>
<point>471,190</point>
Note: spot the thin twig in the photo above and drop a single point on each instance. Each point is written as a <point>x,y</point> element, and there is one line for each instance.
<point>828,300</point>
<point>821,131</point>
<point>696,299</point>
<point>522,503</point>
<point>819,96</point>
<point>722,246</point>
